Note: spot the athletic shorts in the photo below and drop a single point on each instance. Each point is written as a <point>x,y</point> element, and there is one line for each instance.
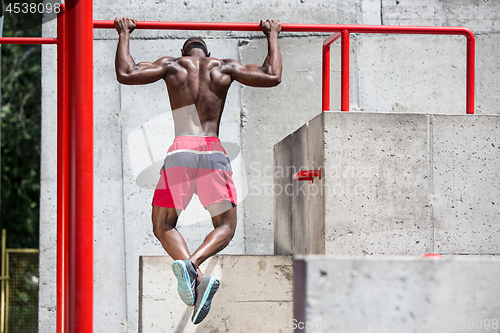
<point>195,164</point>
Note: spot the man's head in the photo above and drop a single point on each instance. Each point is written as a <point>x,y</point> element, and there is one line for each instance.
<point>194,43</point>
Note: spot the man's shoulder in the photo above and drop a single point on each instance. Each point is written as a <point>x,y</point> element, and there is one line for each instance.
<point>230,61</point>
<point>165,61</point>
<point>229,64</point>
<point>207,59</point>
<point>221,61</point>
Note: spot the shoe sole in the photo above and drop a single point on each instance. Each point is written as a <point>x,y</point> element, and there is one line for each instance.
<point>184,285</point>
<point>206,302</point>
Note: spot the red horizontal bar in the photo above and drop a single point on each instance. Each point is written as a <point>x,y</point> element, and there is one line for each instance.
<point>292,27</point>
<point>170,25</point>
<point>28,40</point>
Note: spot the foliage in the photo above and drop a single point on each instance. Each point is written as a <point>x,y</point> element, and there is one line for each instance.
<point>23,292</point>
<point>20,133</point>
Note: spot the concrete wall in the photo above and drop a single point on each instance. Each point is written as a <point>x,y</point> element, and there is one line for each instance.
<point>255,295</point>
<point>255,119</point>
<point>392,184</point>
<point>400,294</point>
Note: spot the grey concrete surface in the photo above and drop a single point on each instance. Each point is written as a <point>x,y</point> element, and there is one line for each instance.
<point>478,15</point>
<point>412,73</point>
<point>255,295</point>
<point>376,184</point>
<point>287,106</point>
<point>396,294</point>
<point>317,11</point>
<point>255,119</point>
<point>48,197</point>
<point>392,184</point>
<point>283,230</point>
<point>466,184</point>
<point>299,206</point>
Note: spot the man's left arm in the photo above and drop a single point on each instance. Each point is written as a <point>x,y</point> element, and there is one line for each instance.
<point>267,75</point>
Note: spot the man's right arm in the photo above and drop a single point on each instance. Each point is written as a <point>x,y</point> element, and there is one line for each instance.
<point>127,71</point>
<point>269,74</point>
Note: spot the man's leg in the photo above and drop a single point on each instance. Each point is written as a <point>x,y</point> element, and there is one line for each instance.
<point>164,222</point>
<point>225,226</point>
<point>224,221</point>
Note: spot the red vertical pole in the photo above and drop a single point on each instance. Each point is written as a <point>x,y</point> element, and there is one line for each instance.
<point>471,55</point>
<point>80,98</point>
<point>325,94</point>
<point>344,90</point>
<point>62,175</point>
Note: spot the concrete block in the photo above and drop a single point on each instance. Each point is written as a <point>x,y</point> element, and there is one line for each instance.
<point>392,184</point>
<point>283,202</point>
<point>401,294</point>
<point>255,295</point>
<point>376,183</point>
<point>307,198</point>
<point>300,237</point>
<point>315,201</point>
<point>299,207</point>
<point>466,187</point>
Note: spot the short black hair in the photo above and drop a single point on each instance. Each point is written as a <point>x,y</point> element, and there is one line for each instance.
<point>196,42</point>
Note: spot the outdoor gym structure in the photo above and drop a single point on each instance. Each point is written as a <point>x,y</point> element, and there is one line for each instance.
<point>75,132</point>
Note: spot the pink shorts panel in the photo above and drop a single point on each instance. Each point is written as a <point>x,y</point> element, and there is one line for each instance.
<point>213,186</point>
<point>195,165</point>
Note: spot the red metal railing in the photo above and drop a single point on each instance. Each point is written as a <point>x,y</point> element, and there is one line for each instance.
<point>305,175</point>
<point>339,31</point>
<point>80,35</point>
<point>75,136</point>
<point>344,31</point>
<point>28,40</point>
<point>62,175</point>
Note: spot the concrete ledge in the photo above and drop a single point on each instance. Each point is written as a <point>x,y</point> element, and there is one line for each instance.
<point>396,184</point>
<point>396,294</point>
<point>255,295</point>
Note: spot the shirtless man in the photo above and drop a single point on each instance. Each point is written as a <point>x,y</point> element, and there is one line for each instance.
<point>196,162</point>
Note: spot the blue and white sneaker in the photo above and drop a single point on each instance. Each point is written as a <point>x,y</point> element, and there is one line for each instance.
<point>186,276</point>
<point>204,294</point>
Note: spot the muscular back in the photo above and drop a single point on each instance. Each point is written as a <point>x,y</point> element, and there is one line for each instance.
<point>197,88</point>
<point>197,84</point>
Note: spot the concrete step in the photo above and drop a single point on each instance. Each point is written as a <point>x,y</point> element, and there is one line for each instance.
<point>404,184</point>
<point>255,295</point>
<point>396,294</point>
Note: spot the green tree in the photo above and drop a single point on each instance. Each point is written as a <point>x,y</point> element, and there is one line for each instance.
<point>20,132</point>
